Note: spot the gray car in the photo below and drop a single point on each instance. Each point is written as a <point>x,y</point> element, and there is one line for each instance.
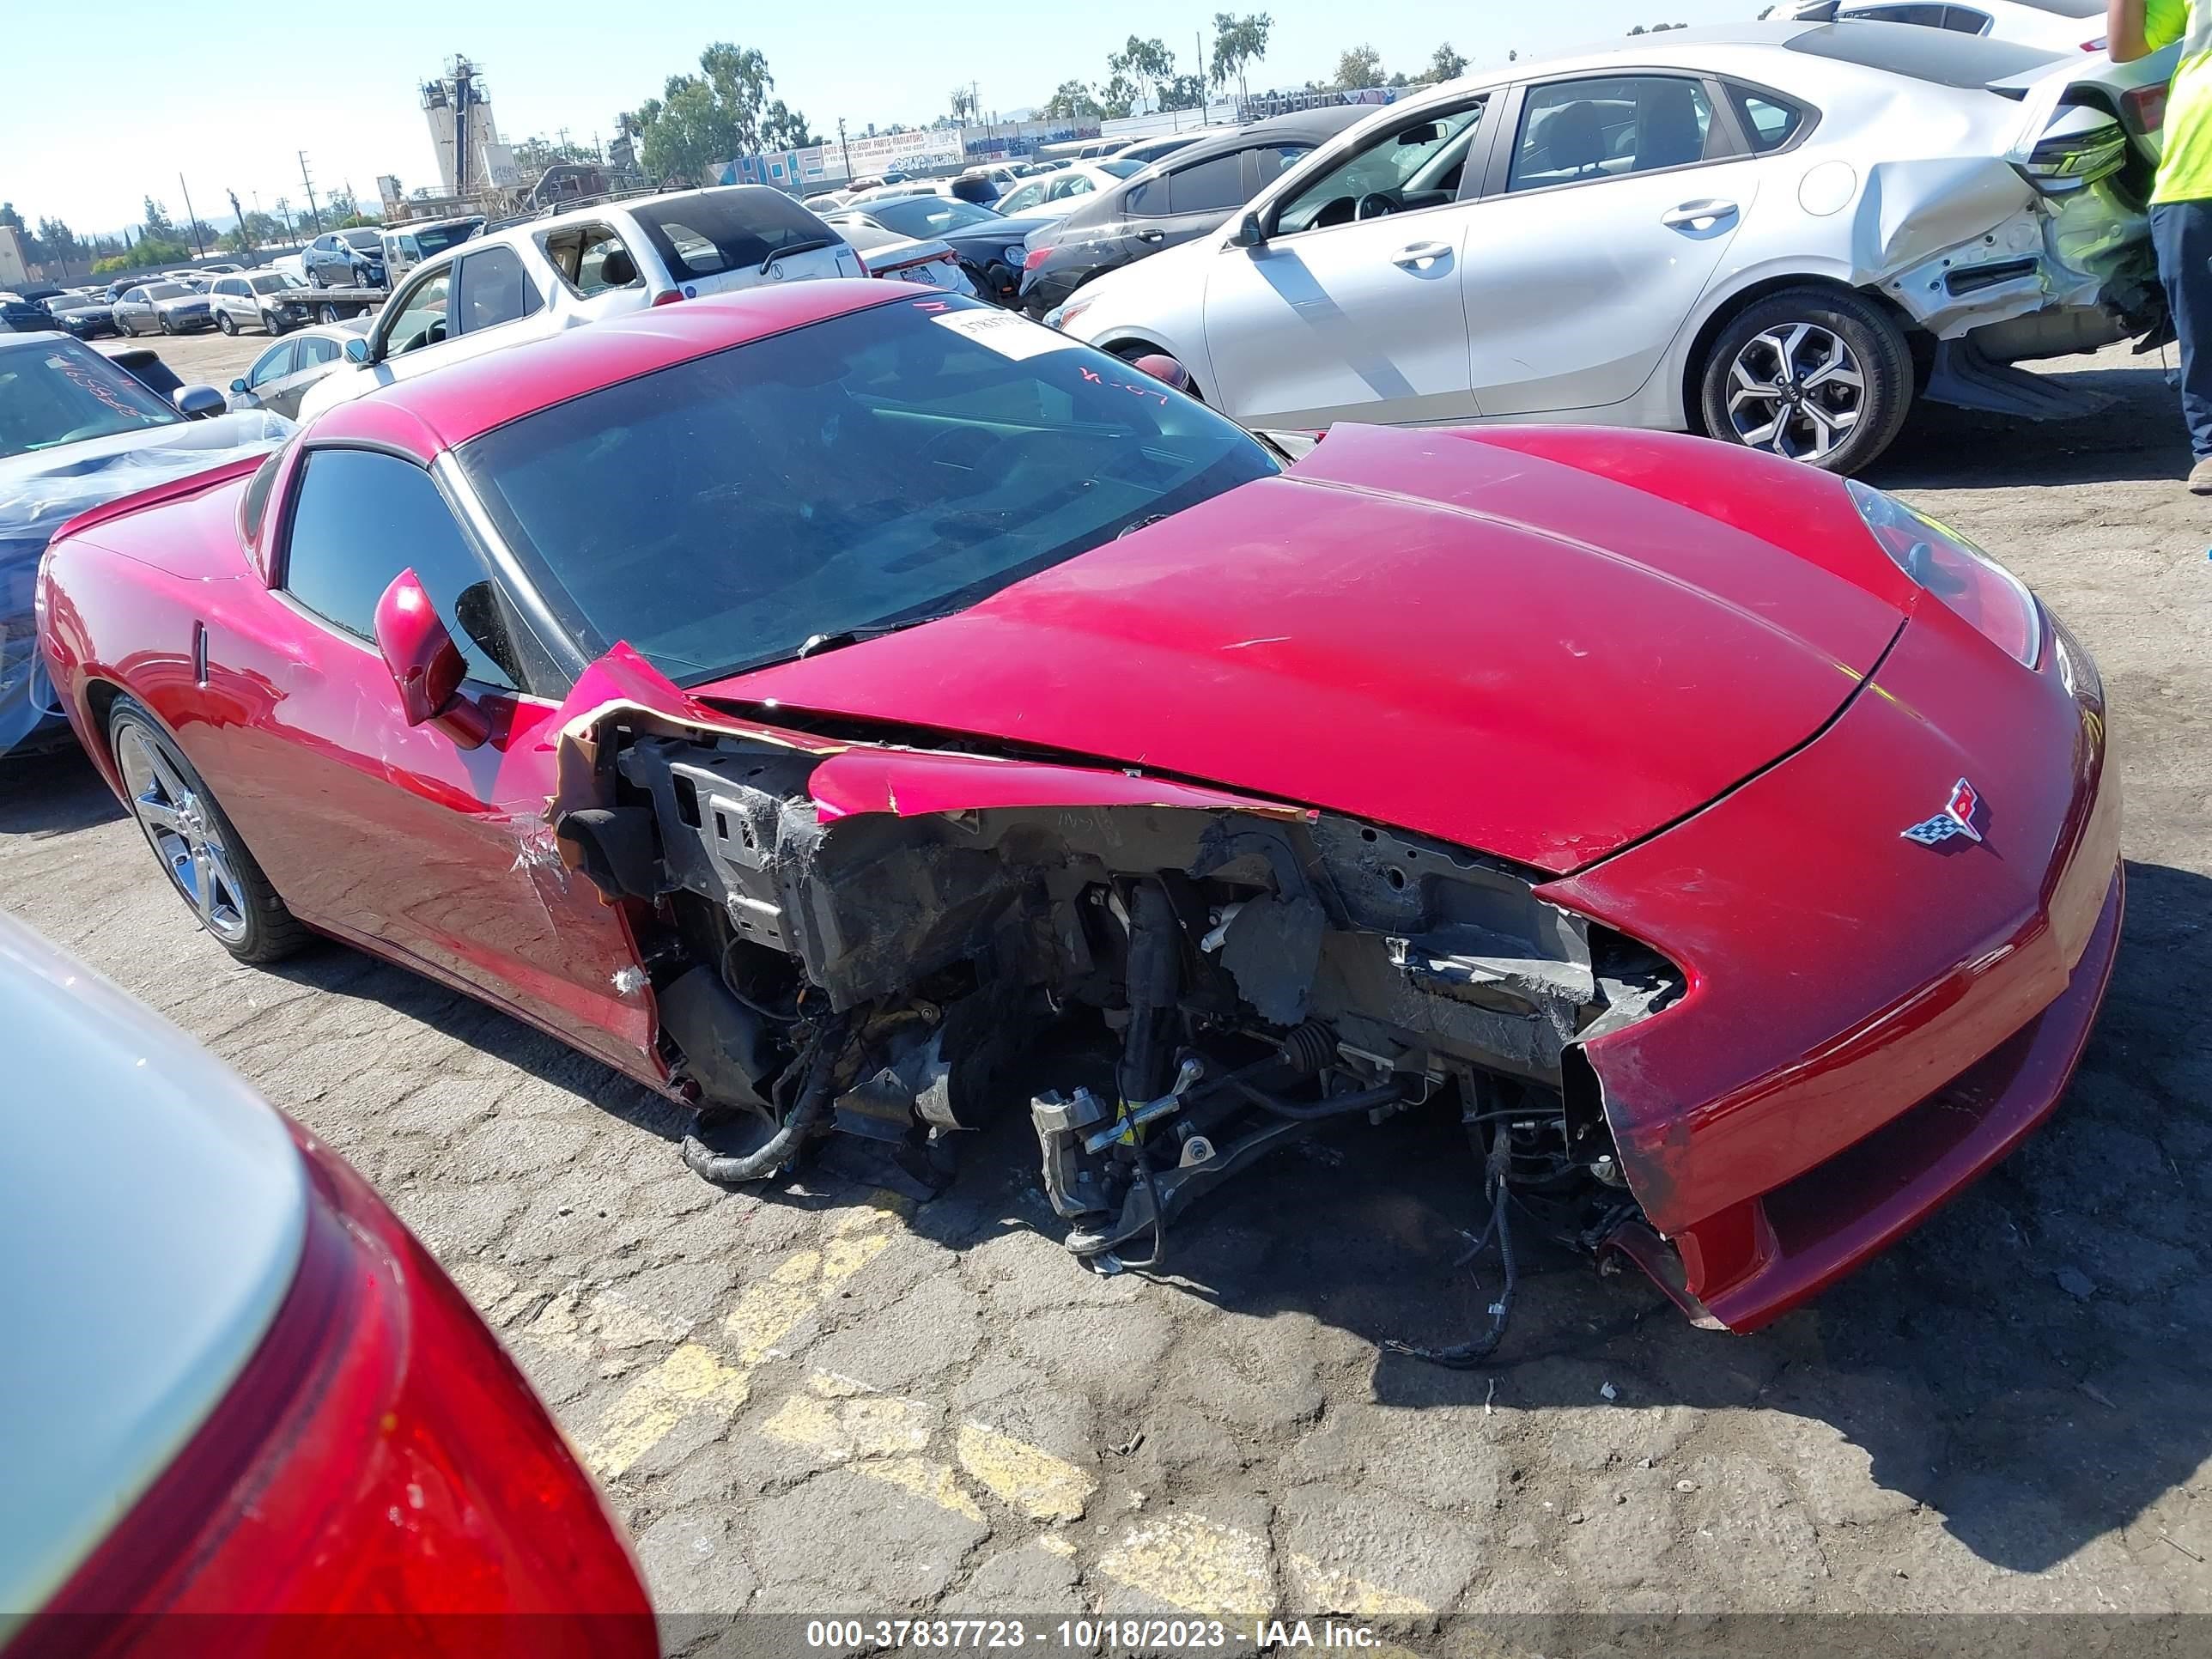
<point>1189,190</point>
<point>282,373</point>
<point>162,308</point>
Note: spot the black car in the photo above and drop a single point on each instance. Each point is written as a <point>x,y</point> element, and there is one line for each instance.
<point>83,315</point>
<point>1186,194</point>
<point>21,316</point>
<point>990,247</point>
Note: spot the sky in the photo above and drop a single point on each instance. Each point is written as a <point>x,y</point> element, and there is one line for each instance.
<point>87,132</point>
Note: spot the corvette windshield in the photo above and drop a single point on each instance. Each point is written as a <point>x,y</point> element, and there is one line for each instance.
<point>63,394</point>
<point>887,465</point>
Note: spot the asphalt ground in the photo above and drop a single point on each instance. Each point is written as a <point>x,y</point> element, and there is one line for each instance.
<point>824,1398</point>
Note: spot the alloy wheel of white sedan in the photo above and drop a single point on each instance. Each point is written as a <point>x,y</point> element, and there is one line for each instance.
<point>1796,390</point>
<point>1817,375</point>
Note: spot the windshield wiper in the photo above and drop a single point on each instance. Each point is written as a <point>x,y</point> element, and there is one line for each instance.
<point>819,643</point>
<point>810,245</point>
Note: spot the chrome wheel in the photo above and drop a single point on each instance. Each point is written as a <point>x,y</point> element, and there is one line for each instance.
<point>185,833</point>
<point>1795,390</point>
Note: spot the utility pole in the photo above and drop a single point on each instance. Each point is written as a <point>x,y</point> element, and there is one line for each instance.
<point>191,219</point>
<point>846,148</point>
<point>315,217</point>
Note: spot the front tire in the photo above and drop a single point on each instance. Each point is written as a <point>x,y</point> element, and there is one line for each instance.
<point>1813,374</point>
<point>168,327</point>
<point>206,861</point>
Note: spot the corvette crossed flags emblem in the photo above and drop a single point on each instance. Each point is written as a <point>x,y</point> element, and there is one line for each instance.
<point>1957,818</point>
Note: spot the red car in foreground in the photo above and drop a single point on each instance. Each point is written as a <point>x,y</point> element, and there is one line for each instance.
<point>804,701</point>
<point>245,1414</point>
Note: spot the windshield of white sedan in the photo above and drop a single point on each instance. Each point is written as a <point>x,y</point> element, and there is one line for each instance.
<point>64,395</point>
<point>882,467</point>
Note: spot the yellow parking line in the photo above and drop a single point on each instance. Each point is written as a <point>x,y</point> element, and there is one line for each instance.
<point>1320,1590</point>
<point>767,1311</point>
<point>693,1377</point>
<point>874,1434</point>
<point>1197,1564</point>
<point>925,1478</point>
<point>843,1420</point>
<point>1022,1476</point>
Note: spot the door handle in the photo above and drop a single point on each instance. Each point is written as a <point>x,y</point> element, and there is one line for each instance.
<point>1420,253</point>
<point>1698,216</point>
<point>1152,236</point>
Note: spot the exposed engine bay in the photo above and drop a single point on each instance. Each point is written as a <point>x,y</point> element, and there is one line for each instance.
<point>1212,983</point>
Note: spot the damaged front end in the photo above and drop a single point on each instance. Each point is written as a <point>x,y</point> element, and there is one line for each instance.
<point>892,942</point>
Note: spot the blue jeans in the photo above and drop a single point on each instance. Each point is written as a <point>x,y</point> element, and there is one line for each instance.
<point>2181,233</point>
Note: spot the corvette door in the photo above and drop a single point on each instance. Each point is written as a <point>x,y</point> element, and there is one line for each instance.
<point>1351,309</point>
<point>396,836</point>
<point>1607,216</point>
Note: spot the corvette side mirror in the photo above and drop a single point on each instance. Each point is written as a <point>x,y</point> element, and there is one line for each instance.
<point>427,667</point>
<point>1164,369</point>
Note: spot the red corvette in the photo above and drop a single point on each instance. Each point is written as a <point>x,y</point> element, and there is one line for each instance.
<point>805,701</point>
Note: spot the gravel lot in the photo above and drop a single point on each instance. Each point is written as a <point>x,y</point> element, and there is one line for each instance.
<point>820,1400</point>
<point>211,356</point>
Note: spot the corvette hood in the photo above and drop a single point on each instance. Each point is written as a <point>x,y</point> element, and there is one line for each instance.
<point>1522,644</point>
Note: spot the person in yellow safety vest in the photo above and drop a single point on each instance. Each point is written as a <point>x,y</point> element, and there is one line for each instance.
<point>2181,201</point>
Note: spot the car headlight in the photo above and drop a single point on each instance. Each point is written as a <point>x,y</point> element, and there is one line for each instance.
<point>1014,253</point>
<point>1993,601</point>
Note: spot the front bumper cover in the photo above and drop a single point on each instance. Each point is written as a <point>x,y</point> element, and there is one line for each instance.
<point>1871,1022</point>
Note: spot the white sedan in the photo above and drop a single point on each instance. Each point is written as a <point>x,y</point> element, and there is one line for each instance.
<point>1767,231</point>
<point>572,269</point>
<point>1055,194</point>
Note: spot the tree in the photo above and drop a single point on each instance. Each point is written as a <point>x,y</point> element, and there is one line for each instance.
<point>1657,28</point>
<point>702,120</point>
<point>1183,92</point>
<point>1239,43</point>
<point>1073,101</point>
<point>1447,64</point>
<point>963,103</point>
<point>156,220</point>
<point>1118,95</point>
<point>57,244</point>
<point>1146,64</point>
<point>1360,67</point>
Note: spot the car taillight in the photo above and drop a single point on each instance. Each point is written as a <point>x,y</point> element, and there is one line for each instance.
<point>1990,597</point>
<point>2146,106</point>
<point>669,297</point>
<point>1036,256</point>
<point>380,1464</point>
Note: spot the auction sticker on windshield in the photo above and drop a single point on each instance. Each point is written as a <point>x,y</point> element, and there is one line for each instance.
<point>1004,332</point>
